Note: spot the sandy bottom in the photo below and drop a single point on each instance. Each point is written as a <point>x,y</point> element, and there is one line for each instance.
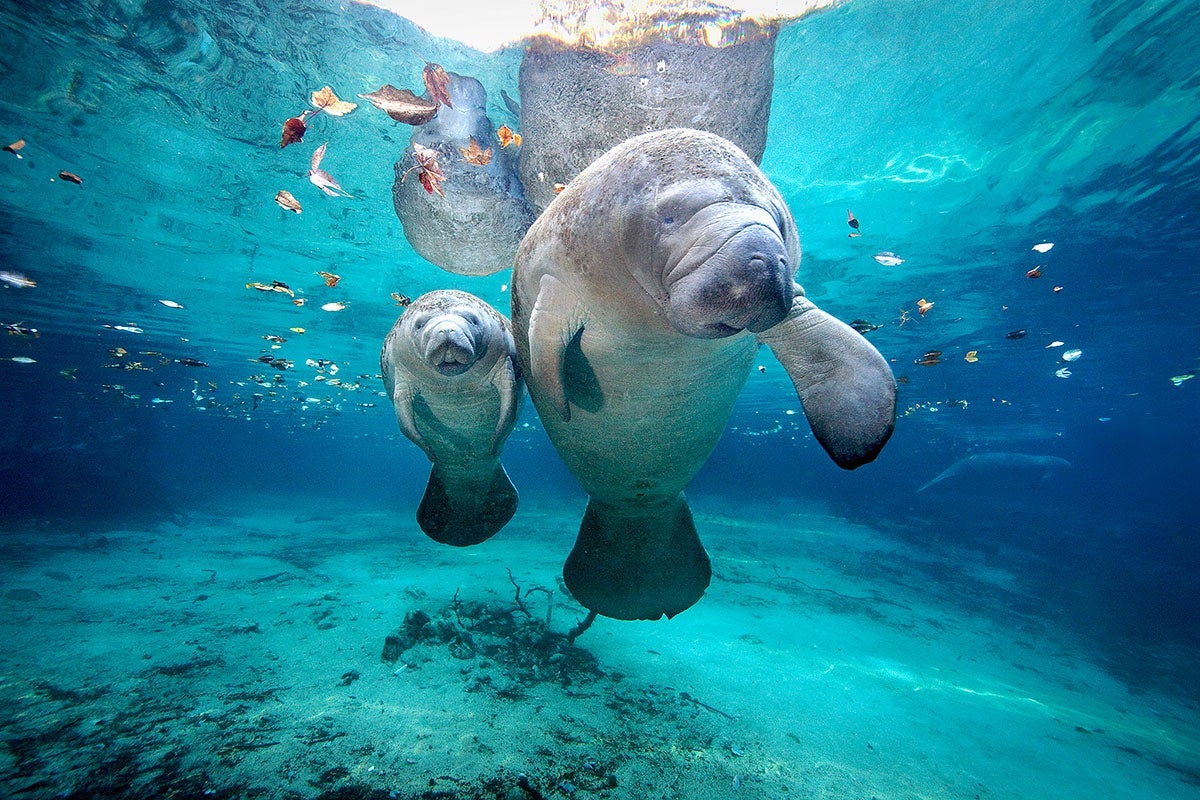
<point>238,653</point>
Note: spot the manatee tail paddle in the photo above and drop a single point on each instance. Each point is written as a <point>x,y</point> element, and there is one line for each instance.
<point>462,511</point>
<point>638,562</point>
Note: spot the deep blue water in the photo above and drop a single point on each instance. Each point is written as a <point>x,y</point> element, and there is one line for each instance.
<point>960,135</point>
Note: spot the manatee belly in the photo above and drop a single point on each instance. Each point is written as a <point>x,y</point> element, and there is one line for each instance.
<point>644,414</point>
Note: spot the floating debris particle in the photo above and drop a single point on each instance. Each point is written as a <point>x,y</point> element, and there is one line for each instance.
<point>70,176</point>
<point>1017,334</point>
<point>863,326</point>
<point>170,304</point>
<point>1057,289</point>
<point>273,286</point>
<point>971,357</point>
<point>1044,247</point>
<point>287,200</point>
<point>127,328</point>
<point>888,259</point>
<point>270,337</point>
<point>296,330</point>
<point>16,280</point>
<point>20,329</point>
<point>191,362</point>
<point>929,359</point>
<point>1072,355</point>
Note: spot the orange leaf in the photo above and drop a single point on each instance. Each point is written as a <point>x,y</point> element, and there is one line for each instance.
<point>474,155</point>
<point>331,280</point>
<point>328,102</point>
<point>507,136</point>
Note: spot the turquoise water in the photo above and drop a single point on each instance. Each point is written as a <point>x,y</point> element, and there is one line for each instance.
<point>959,135</point>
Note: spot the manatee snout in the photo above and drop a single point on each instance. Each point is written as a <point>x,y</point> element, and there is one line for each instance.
<point>746,284</point>
<point>448,345</point>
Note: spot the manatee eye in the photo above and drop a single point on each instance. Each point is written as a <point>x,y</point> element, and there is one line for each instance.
<point>668,220</point>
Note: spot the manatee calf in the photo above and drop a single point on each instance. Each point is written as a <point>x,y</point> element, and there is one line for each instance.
<point>1010,468</point>
<point>640,297</point>
<point>450,367</point>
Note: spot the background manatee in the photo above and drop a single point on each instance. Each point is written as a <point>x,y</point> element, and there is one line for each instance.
<point>476,227</point>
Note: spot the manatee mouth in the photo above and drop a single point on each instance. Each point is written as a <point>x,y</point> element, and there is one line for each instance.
<point>744,284</point>
<point>449,350</point>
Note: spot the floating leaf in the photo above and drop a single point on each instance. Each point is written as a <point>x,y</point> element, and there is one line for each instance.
<point>971,357</point>
<point>863,326</point>
<point>888,259</point>
<point>21,360</point>
<point>191,362</point>
<point>851,220</point>
<point>402,105</point>
<point>20,329</point>
<point>299,301</point>
<point>1179,379</point>
<point>1017,334</point>
<point>328,102</point>
<point>1036,272</point>
<point>1057,289</point>
<point>474,155</point>
<point>558,188</point>
<point>507,136</point>
<point>296,330</point>
<point>1044,247</point>
<point>429,172</point>
<point>923,306</point>
<point>170,304</point>
<point>322,179</point>
<point>1062,373</point>
<point>331,280</point>
<point>273,286</point>
<point>287,200</point>
<point>402,299</point>
<point>437,81</point>
<point>335,306</point>
<point>15,147</point>
<point>1072,355</point>
<point>70,176</point>
<point>294,130</point>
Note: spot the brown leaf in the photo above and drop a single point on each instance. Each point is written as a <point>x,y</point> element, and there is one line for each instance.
<point>328,102</point>
<point>70,176</point>
<point>15,146</point>
<point>507,136</point>
<point>293,131</point>
<point>402,299</point>
<point>402,105</point>
<point>285,200</point>
<point>331,280</point>
<point>437,81</point>
<point>474,155</point>
<point>430,182</point>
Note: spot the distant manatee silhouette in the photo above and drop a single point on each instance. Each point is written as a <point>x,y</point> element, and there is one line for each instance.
<point>1013,466</point>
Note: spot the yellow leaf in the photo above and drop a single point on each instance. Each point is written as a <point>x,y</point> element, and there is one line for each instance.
<point>328,102</point>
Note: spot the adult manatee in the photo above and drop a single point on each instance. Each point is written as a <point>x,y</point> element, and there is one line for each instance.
<point>450,367</point>
<point>640,297</point>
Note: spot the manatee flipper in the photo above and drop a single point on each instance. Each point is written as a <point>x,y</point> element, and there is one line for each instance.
<point>844,384</point>
<point>558,316</point>
<point>403,394</point>
<point>638,563</point>
<point>466,511</point>
<point>504,378</point>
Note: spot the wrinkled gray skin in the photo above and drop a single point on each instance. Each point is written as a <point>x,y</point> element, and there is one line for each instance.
<point>640,298</point>
<point>476,227</point>
<point>1009,468</point>
<point>577,103</point>
<point>450,367</point>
